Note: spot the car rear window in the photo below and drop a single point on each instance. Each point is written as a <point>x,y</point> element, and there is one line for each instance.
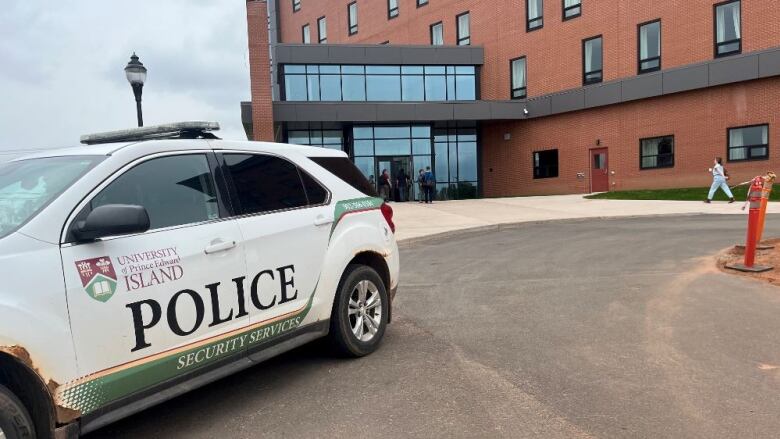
<point>344,169</point>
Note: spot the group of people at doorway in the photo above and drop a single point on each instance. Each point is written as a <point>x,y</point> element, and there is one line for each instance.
<point>398,187</point>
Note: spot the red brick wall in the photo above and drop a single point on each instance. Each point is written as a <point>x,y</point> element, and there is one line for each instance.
<point>554,52</point>
<point>698,120</point>
<point>260,70</point>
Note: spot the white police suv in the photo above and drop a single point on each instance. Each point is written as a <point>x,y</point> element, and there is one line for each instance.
<point>155,260</point>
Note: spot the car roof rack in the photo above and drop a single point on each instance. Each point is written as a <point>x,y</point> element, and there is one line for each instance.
<point>177,130</point>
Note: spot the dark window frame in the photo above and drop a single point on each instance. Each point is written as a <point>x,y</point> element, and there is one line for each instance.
<point>641,156</point>
<point>391,10</point>
<point>716,44</point>
<point>512,88</point>
<point>458,39</point>
<point>296,5</point>
<point>303,33</point>
<point>438,23</point>
<point>421,3</point>
<point>748,147</point>
<point>528,18</point>
<point>352,30</point>
<point>585,74</point>
<point>564,8</point>
<point>321,40</point>
<point>537,169</point>
<point>639,26</point>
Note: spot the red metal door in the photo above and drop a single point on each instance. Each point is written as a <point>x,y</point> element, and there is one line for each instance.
<point>599,173</point>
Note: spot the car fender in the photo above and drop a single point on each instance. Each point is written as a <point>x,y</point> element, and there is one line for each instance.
<point>353,234</point>
<point>35,327</point>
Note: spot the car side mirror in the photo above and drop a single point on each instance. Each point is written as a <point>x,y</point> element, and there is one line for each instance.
<point>112,220</point>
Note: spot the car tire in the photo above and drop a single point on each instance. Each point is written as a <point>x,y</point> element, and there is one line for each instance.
<point>360,312</point>
<point>15,421</point>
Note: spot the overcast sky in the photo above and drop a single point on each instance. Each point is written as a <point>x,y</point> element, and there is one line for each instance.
<point>61,66</point>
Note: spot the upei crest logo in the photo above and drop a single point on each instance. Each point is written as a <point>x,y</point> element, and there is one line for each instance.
<point>98,277</point>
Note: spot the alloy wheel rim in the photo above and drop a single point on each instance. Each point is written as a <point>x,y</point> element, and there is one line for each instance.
<point>365,310</point>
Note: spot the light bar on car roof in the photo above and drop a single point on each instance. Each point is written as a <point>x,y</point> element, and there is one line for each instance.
<point>178,129</point>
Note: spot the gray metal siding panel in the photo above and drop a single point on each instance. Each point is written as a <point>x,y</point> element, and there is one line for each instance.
<point>309,54</point>
<point>641,87</point>
<point>394,111</point>
<point>434,111</point>
<point>600,95</point>
<point>381,55</point>
<point>358,112</point>
<point>538,107</point>
<point>572,100</point>
<point>284,112</point>
<point>479,110</point>
<point>418,56</point>
<point>506,110</point>
<point>686,78</point>
<point>769,64</point>
<point>726,71</point>
<point>346,54</point>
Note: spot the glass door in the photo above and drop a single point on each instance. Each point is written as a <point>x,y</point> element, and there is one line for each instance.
<point>401,182</point>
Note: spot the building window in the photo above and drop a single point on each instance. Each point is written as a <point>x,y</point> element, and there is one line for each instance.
<point>464,29</point>
<point>728,28</point>
<point>379,83</point>
<point>592,70</point>
<point>324,135</point>
<point>517,67</point>
<point>748,143</point>
<point>437,34</point>
<point>322,30</point>
<point>656,152</point>
<point>534,14</point>
<point>571,9</point>
<point>392,9</point>
<point>650,46</point>
<point>353,18</point>
<point>296,5</point>
<point>421,3</point>
<point>305,34</point>
<point>546,164</point>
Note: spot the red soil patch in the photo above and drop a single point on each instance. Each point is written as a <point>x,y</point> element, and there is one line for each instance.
<point>763,257</point>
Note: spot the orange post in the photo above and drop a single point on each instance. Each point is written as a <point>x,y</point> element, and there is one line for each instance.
<point>769,180</point>
<point>754,197</point>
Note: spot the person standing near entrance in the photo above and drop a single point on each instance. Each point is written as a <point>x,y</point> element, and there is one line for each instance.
<point>719,177</point>
<point>420,186</point>
<point>429,183</point>
<point>402,181</point>
<point>384,185</point>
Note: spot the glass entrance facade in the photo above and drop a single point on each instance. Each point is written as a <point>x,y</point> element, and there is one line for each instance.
<point>449,149</point>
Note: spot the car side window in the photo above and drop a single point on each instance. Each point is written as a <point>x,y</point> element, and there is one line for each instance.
<point>265,183</point>
<point>175,190</point>
<point>314,191</point>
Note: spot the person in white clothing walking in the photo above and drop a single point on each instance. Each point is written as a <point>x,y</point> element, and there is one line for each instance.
<point>719,178</point>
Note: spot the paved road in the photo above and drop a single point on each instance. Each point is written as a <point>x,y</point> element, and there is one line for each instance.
<point>597,328</point>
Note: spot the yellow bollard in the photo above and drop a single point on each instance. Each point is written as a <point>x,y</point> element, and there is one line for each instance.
<point>769,179</point>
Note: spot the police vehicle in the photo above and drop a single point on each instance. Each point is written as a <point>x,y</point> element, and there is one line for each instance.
<point>152,261</point>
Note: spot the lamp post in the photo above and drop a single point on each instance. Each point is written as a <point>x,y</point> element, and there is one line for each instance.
<point>136,76</point>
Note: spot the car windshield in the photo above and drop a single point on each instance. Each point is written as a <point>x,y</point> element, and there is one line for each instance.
<point>26,186</point>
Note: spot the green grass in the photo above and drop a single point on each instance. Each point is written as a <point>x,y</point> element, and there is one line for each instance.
<point>680,194</point>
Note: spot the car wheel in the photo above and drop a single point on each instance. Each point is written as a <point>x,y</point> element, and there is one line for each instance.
<point>360,312</point>
<point>15,421</point>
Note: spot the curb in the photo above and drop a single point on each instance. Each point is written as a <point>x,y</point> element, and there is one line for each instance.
<point>410,242</point>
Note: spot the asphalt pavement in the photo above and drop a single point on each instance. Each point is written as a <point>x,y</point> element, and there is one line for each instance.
<point>578,328</point>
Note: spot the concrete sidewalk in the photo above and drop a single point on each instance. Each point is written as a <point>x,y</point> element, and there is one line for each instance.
<point>415,220</point>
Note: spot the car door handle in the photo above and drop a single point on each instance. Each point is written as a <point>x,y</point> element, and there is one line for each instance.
<point>323,220</point>
<point>219,247</point>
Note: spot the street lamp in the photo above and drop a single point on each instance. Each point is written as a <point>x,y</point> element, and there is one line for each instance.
<point>136,76</point>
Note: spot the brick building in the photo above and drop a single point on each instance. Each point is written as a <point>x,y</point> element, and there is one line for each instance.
<point>520,97</point>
